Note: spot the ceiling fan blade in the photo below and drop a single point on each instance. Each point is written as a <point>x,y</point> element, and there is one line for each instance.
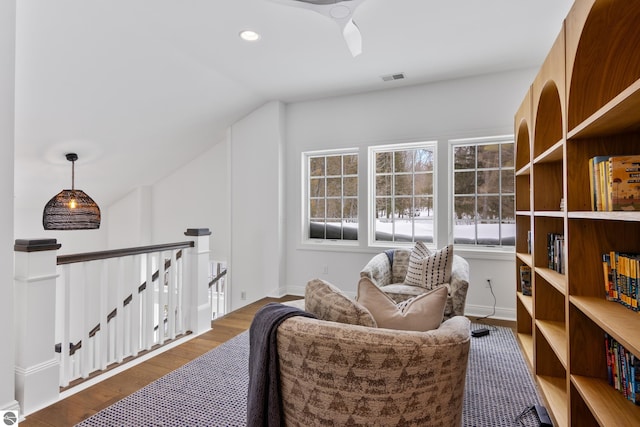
<point>353,38</point>
<point>341,12</point>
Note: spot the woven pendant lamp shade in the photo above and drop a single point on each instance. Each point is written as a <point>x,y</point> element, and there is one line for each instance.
<point>71,209</point>
<point>59,213</point>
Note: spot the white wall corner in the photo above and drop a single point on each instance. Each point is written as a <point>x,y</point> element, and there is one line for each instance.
<point>257,243</point>
<point>7,142</point>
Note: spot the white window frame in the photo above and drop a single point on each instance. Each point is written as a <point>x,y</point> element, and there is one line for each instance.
<point>452,143</point>
<point>306,240</point>
<point>371,193</point>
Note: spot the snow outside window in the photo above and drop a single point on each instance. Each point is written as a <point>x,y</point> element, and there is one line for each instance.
<point>483,192</point>
<point>403,192</point>
<point>332,190</point>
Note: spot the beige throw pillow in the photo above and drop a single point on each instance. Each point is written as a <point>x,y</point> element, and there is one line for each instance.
<point>422,313</point>
<point>328,302</point>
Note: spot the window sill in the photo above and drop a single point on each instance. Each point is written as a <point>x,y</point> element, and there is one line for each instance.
<point>484,253</point>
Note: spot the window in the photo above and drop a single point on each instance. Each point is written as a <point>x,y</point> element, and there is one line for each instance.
<point>402,185</point>
<point>332,189</point>
<point>483,192</point>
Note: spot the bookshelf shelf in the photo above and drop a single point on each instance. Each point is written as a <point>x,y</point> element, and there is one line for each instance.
<point>552,154</point>
<point>525,258</point>
<point>549,214</point>
<point>554,389</point>
<point>610,316</point>
<point>556,335</point>
<point>524,171</point>
<point>607,405</point>
<point>584,102</point>
<point>555,279</point>
<point>526,344</point>
<point>607,216</point>
<point>617,116</point>
<point>527,302</point>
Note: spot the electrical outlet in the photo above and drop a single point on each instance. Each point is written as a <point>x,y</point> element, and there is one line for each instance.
<point>243,295</point>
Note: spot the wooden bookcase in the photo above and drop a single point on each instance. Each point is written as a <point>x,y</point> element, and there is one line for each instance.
<point>584,102</point>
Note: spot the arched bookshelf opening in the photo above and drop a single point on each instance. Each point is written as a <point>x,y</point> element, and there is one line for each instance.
<point>606,61</point>
<point>548,129</point>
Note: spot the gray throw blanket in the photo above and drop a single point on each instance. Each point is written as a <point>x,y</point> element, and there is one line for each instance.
<point>264,405</point>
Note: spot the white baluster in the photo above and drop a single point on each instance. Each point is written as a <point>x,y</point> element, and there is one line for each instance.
<point>161,298</point>
<point>180,295</point>
<point>171,297</point>
<point>104,313</point>
<point>85,322</point>
<point>148,306</point>
<point>119,319</point>
<point>126,308</point>
<point>134,310</point>
<point>65,362</point>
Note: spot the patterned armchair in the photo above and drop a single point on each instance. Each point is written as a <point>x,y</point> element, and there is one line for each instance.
<point>388,271</point>
<point>348,375</point>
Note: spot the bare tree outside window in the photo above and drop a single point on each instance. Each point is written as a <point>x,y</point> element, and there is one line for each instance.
<point>404,193</point>
<point>483,199</point>
<point>332,196</point>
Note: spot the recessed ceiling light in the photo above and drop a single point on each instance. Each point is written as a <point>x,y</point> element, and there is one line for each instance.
<point>249,35</point>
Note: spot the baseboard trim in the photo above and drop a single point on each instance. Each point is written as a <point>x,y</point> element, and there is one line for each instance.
<point>501,313</point>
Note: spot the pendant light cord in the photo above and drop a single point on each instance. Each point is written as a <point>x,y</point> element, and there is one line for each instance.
<point>72,157</point>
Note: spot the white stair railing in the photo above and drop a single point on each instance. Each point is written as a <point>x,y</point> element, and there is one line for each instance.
<point>107,304</point>
<point>105,308</point>
<point>218,289</point>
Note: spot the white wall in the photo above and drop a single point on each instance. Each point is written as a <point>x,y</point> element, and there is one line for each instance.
<point>127,220</point>
<point>194,196</point>
<point>257,227</point>
<point>7,74</point>
<point>479,106</point>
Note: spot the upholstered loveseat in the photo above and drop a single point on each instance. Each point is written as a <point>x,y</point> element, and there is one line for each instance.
<point>389,269</point>
<point>336,374</point>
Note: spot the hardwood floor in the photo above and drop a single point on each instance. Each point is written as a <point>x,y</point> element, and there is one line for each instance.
<point>82,405</point>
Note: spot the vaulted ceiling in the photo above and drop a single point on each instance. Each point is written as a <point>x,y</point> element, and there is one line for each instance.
<point>139,87</point>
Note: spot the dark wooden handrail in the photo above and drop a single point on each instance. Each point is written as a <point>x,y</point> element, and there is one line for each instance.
<point>115,253</point>
<point>218,277</point>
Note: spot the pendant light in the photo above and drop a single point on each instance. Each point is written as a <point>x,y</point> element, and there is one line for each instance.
<point>71,209</point>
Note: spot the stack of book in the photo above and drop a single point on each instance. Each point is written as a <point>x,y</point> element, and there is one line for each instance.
<point>555,251</point>
<point>623,369</point>
<point>621,278</point>
<point>525,280</point>
<point>615,183</point>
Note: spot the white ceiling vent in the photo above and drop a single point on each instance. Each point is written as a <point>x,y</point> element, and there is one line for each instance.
<point>390,77</point>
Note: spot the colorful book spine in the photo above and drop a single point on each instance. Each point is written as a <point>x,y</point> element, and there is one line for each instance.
<point>621,276</point>
<point>555,251</point>
<point>597,179</point>
<point>623,369</point>
<point>614,183</point>
<point>609,289</point>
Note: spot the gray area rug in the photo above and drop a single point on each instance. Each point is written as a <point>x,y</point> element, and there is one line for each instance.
<point>211,390</point>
